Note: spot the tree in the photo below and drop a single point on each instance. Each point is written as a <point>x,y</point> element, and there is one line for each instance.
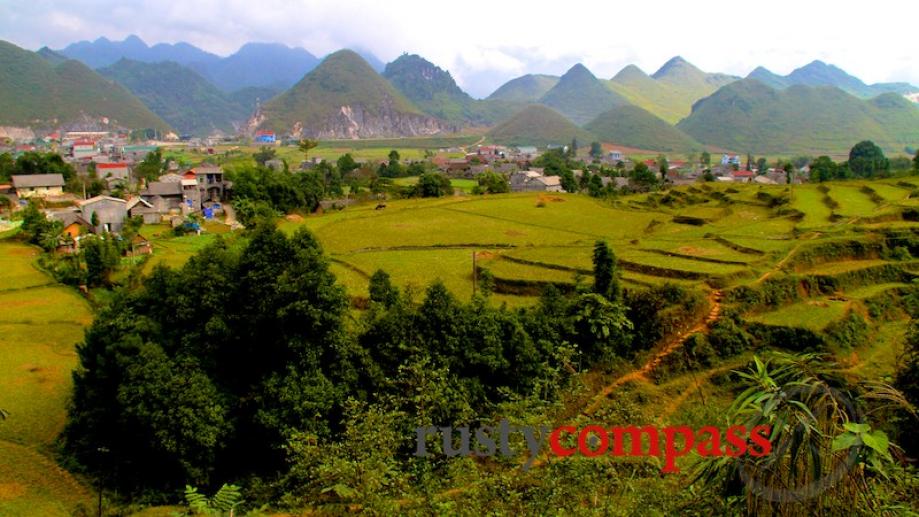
<point>264,154</point>
<point>151,167</point>
<point>867,160</point>
<point>749,166</point>
<point>101,256</point>
<point>492,183</point>
<point>761,166</point>
<point>706,158</point>
<point>596,150</point>
<point>916,163</point>
<point>663,166</point>
<point>381,289</point>
<point>823,169</point>
<point>573,148</point>
<point>433,184</point>
<point>306,145</point>
<point>606,273</point>
<point>568,181</point>
<point>642,175</point>
<point>346,164</point>
<point>789,169</point>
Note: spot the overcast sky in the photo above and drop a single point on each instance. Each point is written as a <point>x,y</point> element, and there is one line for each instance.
<point>483,43</point>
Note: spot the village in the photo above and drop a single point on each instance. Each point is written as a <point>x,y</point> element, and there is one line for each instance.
<point>184,196</point>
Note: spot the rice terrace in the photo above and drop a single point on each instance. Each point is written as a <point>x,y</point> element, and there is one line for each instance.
<point>792,267</point>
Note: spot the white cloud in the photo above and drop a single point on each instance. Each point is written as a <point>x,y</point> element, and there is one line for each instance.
<point>485,42</point>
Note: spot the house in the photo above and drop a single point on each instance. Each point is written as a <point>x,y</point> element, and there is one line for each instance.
<point>104,213</point>
<point>211,184</point>
<point>265,137</point>
<point>550,183</point>
<point>164,196</point>
<point>615,155</point>
<point>38,185</point>
<point>764,180</point>
<point>117,170</point>
<point>137,207</point>
<point>140,245</point>
<point>743,175</point>
<point>83,149</point>
<point>534,181</point>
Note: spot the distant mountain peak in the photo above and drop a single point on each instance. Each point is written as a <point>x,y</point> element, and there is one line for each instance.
<point>676,66</point>
<point>630,72</point>
<point>578,70</point>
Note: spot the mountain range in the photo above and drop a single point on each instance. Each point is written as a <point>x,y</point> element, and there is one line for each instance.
<point>44,91</point>
<point>350,94</point>
<point>818,73</point>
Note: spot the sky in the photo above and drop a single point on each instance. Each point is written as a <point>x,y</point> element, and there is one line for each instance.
<point>484,43</point>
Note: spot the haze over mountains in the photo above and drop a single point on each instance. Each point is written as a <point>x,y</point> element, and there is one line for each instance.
<point>816,108</point>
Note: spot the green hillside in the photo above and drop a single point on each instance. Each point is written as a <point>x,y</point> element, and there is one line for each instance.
<point>662,99</point>
<point>635,127</point>
<point>538,126</point>
<point>344,97</point>
<point>35,92</point>
<point>184,99</point>
<point>748,116</point>
<point>431,88</point>
<point>580,96</point>
<point>527,88</point>
<point>690,80</point>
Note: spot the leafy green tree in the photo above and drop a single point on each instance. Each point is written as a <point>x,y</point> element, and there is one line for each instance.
<point>101,256</point>
<point>789,169</point>
<point>7,167</point>
<point>573,148</point>
<point>867,160</point>
<point>601,328</point>
<point>568,181</point>
<point>346,164</point>
<point>596,150</point>
<point>433,184</point>
<point>663,166</point>
<point>606,272</point>
<point>306,145</point>
<point>642,175</point>
<point>151,167</point>
<point>823,169</point>
<point>264,154</point>
<point>492,183</point>
<point>706,158</point>
<point>761,166</point>
<point>381,289</point>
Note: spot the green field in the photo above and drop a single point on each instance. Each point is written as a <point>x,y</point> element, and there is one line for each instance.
<point>39,326</point>
<point>525,239</point>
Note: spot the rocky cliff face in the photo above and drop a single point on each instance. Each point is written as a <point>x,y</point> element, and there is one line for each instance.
<point>355,121</point>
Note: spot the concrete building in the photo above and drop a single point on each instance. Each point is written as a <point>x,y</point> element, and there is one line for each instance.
<point>38,185</point>
<point>108,213</point>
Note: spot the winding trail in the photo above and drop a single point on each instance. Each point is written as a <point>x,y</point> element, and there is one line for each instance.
<point>673,343</point>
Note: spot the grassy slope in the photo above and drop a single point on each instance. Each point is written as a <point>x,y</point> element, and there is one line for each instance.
<point>35,92</point>
<point>184,99</point>
<point>635,127</point>
<point>539,126</point>
<point>39,326</point>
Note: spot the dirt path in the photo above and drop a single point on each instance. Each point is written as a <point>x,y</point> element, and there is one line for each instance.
<point>672,344</point>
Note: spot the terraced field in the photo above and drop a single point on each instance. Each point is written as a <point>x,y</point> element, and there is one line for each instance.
<point>714,238</point>
<point>40,324</point>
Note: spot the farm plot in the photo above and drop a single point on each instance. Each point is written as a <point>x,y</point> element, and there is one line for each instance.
<point>852,201</point>
<point>813,314</point>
